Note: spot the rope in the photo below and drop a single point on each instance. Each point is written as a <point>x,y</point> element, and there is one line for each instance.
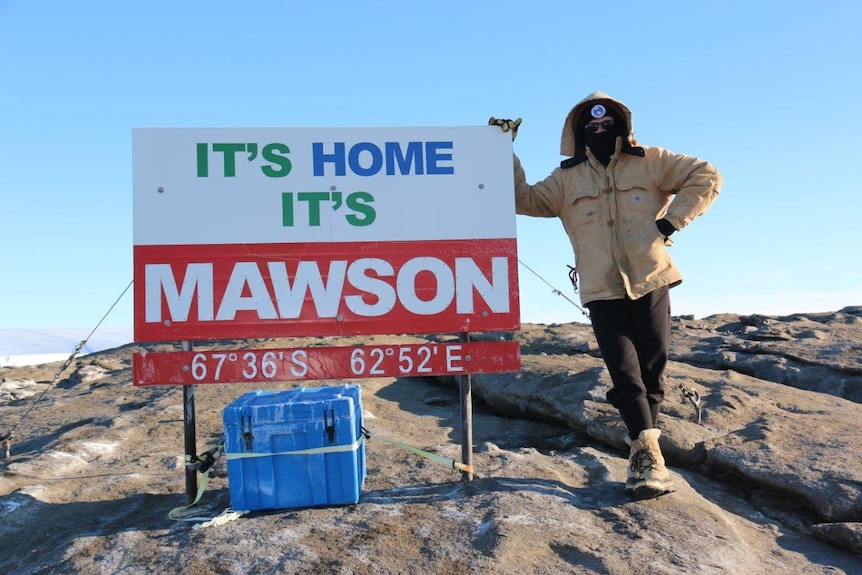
<point>555,290</point>
<point>7,438</point>
<point>110,309</point>
<point>220,519</point>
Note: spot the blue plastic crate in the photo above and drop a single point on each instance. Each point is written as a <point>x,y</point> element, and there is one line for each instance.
<point>292,448</point>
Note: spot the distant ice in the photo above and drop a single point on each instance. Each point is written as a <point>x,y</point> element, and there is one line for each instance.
<point>35,346</point>
<point>32,359</point>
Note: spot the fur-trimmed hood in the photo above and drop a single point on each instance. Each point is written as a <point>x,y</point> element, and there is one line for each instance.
<point>569,143</point>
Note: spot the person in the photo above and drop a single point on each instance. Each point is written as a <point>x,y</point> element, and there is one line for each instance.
<point>619,204</point>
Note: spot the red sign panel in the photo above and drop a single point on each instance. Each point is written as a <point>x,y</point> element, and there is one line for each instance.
<point>315,363</point>
<point>235,291</point>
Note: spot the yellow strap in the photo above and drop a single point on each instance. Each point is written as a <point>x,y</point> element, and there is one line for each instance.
<point>463,467</point>
<point>229,513</point>
<point>332,449</point>
<point>172,514</point>
<point>205,477</point>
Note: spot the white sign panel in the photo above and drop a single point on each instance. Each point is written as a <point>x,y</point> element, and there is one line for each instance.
<point>286,185</point>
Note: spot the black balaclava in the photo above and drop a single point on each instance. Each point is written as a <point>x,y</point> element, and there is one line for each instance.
<point>602,144</point>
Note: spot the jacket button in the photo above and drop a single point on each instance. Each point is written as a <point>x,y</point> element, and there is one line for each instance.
<point>610,223</point>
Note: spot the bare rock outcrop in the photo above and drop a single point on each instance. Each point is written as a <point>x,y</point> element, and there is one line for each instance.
<point>768,480</point>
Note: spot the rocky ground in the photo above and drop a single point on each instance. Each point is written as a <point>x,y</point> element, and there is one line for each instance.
<point>768,481</point>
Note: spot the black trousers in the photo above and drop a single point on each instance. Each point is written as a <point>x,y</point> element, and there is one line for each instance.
<point>634,338</point>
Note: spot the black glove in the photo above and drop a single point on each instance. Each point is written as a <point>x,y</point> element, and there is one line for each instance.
<point>665,227</point>
<point>506,125</point>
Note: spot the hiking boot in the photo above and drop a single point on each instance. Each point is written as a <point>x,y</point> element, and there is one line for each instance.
<point>634,478</point>
<point>647,475</point>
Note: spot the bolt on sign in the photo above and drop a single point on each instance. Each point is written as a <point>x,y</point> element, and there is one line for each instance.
<point>287,232</point>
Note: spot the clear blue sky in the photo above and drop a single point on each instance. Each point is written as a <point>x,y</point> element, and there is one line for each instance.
<point>767,91</point>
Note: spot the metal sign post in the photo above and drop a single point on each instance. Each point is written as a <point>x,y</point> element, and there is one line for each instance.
<point>466,419</point>
<point>190,434</point>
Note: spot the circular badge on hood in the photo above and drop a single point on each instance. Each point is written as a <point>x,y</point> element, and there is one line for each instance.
<point>598,111</point>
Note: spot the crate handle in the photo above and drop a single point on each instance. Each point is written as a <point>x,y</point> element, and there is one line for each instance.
<point>329,424</point>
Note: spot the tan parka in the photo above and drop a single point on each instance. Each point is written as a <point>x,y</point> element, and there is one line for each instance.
<point>609,213</point>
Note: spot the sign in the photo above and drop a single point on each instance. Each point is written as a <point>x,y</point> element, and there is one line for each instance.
<point>278,232</point>
<point>311,363</point>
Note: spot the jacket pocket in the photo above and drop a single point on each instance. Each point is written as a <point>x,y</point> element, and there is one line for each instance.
<point>639,205</point>
<point>582,205</point>
<point>636,196</point>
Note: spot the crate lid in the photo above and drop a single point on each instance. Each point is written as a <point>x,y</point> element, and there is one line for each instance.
<point>300,403</point>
